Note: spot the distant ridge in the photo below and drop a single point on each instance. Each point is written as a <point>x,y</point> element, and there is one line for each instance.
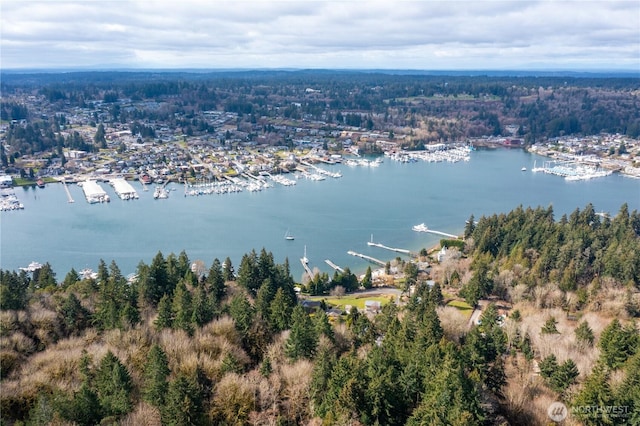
<point>320,71</point>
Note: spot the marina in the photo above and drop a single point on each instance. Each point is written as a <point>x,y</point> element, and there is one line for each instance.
<point>9,200</point>
<point>571,170</point>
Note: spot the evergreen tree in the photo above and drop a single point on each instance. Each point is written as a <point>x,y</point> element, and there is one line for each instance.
<point>248,273</point>
<point>181,308</point>
<point>165,316</point>
<point>75,317</point>
<point>13,290</point>
<point>584,335</point>
<point>595,392</point>
<point>83,408</point>
<point>202,309</point>
<point>71,278</point>
<point>242,313</point>
<point>322,325</point>
<point>99,137</point>
<point>302,339</point>
<point>549,326</point>
<point>264,298</point>
<point>113,386</point>
<point>280,311</point>
<point>618,343</point>
<point>322,368</point>
<point>216,281</point>
<point>469,227</point>
<point>228,273</point>
<point>183,402</point>
<point>527,350</point>
<point>155,377</point>
<point>366,280</point>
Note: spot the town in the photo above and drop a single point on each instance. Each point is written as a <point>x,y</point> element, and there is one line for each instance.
<point>239,130</point>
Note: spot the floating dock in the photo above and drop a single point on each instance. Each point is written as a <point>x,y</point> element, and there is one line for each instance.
<point>124,190</point>
<point>333,265</point>
<point>365,257</point>
<point>94,192</point>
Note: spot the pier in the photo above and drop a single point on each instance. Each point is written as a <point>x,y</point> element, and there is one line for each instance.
<point>382,246</point>
<point>66,188</point>
<point>423,228</point>
<point>333,265</point>
<point>305,264</point>
<point>368,258</point>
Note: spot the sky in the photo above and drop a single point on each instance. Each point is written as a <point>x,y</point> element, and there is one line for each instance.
<point>351,34</point>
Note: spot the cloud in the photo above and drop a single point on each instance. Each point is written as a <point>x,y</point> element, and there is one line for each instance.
<point>323,34</point>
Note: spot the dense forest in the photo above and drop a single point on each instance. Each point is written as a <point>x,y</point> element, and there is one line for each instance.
<point>182,343</point>
<point>424,108</point>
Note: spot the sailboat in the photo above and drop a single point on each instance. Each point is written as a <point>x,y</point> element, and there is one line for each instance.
<point>288,236</point>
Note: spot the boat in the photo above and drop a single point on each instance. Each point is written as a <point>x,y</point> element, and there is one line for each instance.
<point>288,236</point>
<point>160,193</point>
<point>524,169</point>
<point>87,274</point>
<point>40,183</point>
<point>33,266</point>
<point>420,228</point>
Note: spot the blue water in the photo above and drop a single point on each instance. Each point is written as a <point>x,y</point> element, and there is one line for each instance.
<point>329,217</point>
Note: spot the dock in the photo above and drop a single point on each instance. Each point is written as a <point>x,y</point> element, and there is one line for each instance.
<point>305,264</point>
<point>382,246</point>
<point>423,228</point>
<point>66,188</point>
<point>333,265</point>
<point>368,258</point>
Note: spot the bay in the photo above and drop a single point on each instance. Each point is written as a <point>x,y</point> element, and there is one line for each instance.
<point>328,217</point>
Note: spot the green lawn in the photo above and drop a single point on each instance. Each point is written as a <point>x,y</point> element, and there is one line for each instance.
<point>357,301</point>
<point>465,309</point>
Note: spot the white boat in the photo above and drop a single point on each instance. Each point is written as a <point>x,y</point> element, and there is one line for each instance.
<point>33,266</point>
<point>87,273</point>
<point>524,169</point>
<point>288,236</point>
<point>160,193</point>
<point>420,228</point>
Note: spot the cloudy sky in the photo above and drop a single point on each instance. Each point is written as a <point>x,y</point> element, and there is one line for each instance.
<point>361,34</point>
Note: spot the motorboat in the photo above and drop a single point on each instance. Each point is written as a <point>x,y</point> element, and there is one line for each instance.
<point>420,228</point>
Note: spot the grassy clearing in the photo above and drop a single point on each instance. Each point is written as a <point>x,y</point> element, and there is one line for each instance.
<point>353,300</point>
<point>462,306</point>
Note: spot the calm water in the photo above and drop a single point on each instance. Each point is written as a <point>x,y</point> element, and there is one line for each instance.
<point>328,217</point>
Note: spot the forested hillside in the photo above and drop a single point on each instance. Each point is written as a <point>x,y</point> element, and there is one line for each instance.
<point>184,343</point>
